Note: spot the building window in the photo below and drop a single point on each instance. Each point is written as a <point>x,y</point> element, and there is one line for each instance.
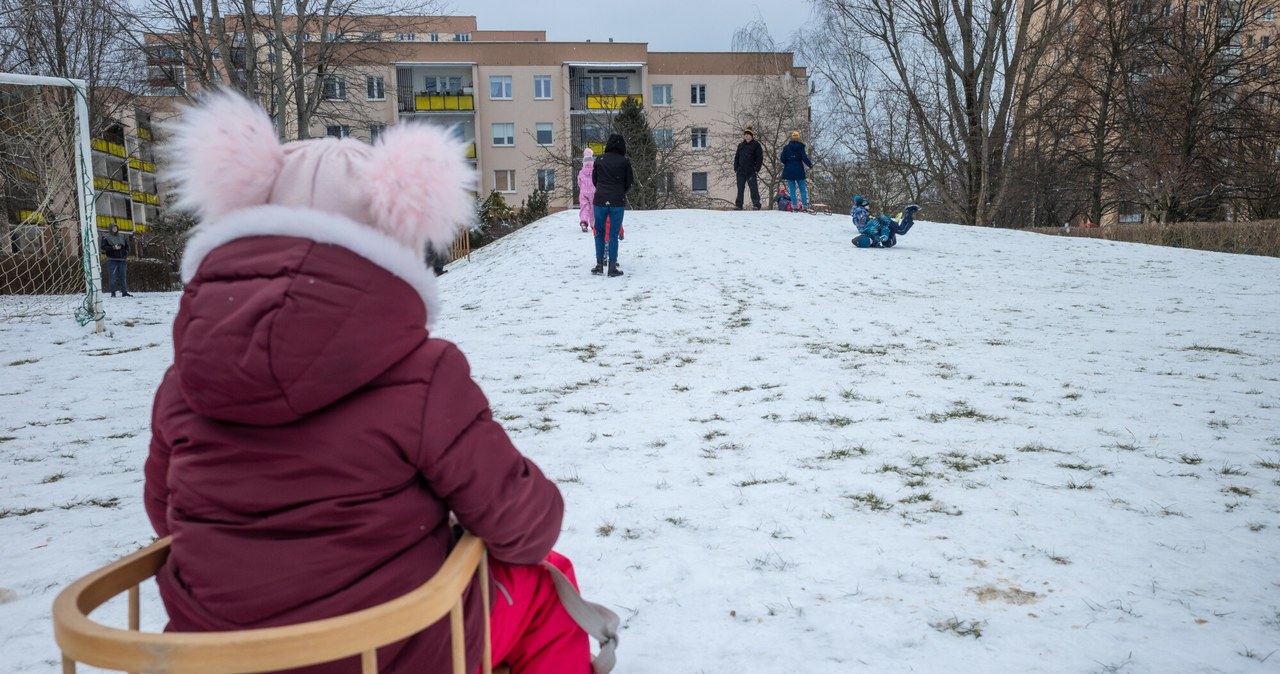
<point>335,88</point>
<point>338,131</point>
<point>544,133</point>
<point>435,37</point>
<point>662,94</point>
<point>666,182</point>
<point>547,180</point>
<point>700,182</point>
<point>375,88</point>
<point>442,85</point>
<point>1269,14</point>
<point>504,135</point>
<point>542,87</point>
<point>462,37</point>
<point>663,138</point>
<point>372,37</point>
<point>376,131</point>
<point>504,181</point>
<point>697,94</point>
<point>606,85</point>
<point>405,37</point>
<point>500,87</point>
<point>699,139</point>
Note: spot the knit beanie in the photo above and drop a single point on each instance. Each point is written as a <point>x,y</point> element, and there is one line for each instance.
<point>414,184</point>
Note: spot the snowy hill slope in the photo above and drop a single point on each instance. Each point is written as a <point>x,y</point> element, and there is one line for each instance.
<point>980,451</point>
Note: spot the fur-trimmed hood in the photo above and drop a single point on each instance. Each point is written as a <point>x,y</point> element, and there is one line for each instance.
<point>287,310</point>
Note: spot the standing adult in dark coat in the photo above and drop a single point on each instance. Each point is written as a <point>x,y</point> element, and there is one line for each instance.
<point>794,159</point>
<point>613,178</point>
<point>116,247</point>
<point>746,164</point>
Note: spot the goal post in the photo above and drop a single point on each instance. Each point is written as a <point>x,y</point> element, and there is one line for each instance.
<point>45,125</point>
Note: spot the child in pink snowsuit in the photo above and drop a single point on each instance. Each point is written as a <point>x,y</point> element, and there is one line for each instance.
<point>313,441</point>
<point>586,191</point>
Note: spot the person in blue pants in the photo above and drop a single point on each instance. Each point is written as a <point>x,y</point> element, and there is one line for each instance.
<point>613,178</point>
<point>881,231</point>
<point>794,159</point>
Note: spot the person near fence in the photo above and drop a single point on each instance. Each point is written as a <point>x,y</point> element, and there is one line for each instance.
<point>612,178</point>
<point>116,247</point>
<point>881,231</point>
<point>794,159</point>
<point>313,441</point>
<point>746,165</point>
<point>437,261</point>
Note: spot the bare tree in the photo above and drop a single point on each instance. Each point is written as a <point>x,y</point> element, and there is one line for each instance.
<point>295,57</point>
<point>968,72</point>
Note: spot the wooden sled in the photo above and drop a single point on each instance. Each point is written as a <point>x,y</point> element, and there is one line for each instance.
<point>262,650</point>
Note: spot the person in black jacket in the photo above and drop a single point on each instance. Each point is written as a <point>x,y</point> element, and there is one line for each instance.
<point>116,248</point>
<point>746,164</point>
<point>612,178</point>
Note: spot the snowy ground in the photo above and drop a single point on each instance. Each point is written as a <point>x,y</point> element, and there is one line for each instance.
<point>980,451</point>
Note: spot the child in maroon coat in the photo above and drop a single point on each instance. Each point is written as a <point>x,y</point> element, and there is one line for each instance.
<point>312,440</point>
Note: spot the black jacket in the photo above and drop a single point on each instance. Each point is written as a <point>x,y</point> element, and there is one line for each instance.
<point>612,174</point>
<point>109,243</point>
<point>748,159</point>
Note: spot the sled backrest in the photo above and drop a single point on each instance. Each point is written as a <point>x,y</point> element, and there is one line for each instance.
<point>261,650</point>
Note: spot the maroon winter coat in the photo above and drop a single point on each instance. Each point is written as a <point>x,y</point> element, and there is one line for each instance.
<point>309,443</point>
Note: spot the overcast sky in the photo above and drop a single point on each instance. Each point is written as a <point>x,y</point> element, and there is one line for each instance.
<point>667,25</point>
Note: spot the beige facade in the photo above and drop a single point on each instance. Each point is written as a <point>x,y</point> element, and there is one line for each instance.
<point>528,107</point>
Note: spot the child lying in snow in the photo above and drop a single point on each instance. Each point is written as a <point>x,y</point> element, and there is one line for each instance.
<point>881,231</point>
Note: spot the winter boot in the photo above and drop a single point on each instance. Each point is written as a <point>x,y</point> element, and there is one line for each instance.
<point>613,269</point>
<point>599,268</point>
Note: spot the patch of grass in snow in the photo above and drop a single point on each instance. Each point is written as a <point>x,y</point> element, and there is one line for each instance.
<point>116,352</point>
<point>1254,655</point>
<point>570,388</point>
<point>1214,349</point>
<point>109,502</point>
<point>1237,490</point>
<point>753,481</point>
<point>25,361</point>
<point>584,410</point>
<point>604,530</point>
<point>1072,396</point>
<point>1020,399</point>
<point>918,497</point>
<point>1035,447</point>
<point>960,628</point>
<point>741,389</point>
<point>62,421</point>
<point>773,560</point>
<point>1219,423</point>
<point>678,388</point>
<point>121,436</point>
<point>851,395</point>
<point>712,435</point>
<point>870,500</point>
<point>964,463</point>
<point>842,453</point>
<point>657,444</point>
<point>1256,526</point>
<point>1232,470</point>
<point>7,438</point>
<point>571,478</point>
<point>678,521</point>
<point>959,410</point>
<point>1269,464</point>
<point>1076,466</point>
<point>19,512</point>
<point>1126,447</point>
<point>829,420</point>
<point>1190,459</point>
<point>53,478</point>
<point>586,352</point>
<point>714,417</point>
<point>1086,485</point>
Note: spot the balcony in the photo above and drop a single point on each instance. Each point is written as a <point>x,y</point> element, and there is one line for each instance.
<point>609,101</point>
<point>142,165</point>
<point>110,148</point>
<point>471,151</point>
<point>101,184</point>
<point>444,103</point>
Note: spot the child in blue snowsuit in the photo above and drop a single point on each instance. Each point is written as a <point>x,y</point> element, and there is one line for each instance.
<point>783,199</point>
<point>881,231</point>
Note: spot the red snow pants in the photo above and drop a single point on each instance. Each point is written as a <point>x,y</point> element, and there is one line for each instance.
<point>532,632</point>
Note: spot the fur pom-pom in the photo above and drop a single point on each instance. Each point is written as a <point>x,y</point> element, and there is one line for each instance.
<point>420,185</point>
<point>222,156</point>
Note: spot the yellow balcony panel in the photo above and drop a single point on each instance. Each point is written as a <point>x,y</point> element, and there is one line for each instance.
<point>100,183</point>
<point>597,148</point>
<point>110,148</point>
<point>98,144</point>
<point>444,103</point>
<point>471,151</point>
<point>139,228</point>
<point>31,218</point>
<point>144,134</point>
<point>145,198</point>
<point>108,184</point>
<point>610,101</point>
<point>140,165</point>
<point>105,222</point>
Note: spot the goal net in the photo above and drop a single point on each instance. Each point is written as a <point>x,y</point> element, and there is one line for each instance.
<point>49,264</point>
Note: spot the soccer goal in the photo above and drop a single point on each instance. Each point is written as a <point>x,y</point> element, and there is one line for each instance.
<point>49,264</point>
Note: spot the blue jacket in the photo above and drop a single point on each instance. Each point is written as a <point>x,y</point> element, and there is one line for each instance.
<point>794,159</point>
<point>860,216</point>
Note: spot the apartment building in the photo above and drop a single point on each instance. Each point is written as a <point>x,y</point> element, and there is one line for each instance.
<point>526,106</point>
